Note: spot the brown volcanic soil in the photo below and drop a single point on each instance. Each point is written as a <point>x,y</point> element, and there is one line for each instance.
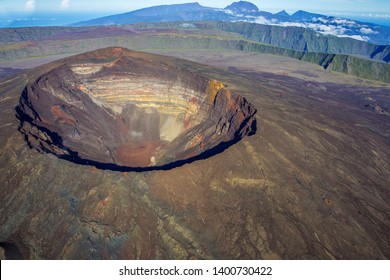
<point>313,182</point>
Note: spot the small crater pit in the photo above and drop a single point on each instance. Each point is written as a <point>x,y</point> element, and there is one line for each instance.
<point>115,109</point>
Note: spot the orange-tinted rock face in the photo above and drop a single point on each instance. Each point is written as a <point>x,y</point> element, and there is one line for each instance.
<point>114,108</point>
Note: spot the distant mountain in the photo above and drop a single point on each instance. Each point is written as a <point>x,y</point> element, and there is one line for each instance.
<point>179,12</point>
<point>242,7</point>
<point>304,16</point>
<point>282,15</point>
<point>248,12</point>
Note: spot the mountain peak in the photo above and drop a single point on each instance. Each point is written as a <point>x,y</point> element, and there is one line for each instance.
<point>303,15</point>
<point>282,13</point>
<point>242,7</point>
<point>193,4</point>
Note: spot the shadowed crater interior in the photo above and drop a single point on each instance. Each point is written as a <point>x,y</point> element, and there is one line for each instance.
<point>9,251</point>
<point>115,109</point>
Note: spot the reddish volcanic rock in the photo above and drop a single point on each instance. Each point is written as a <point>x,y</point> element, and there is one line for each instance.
<point>115,108</point>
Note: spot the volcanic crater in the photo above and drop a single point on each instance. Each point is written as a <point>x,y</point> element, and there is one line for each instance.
<point>118,109</point>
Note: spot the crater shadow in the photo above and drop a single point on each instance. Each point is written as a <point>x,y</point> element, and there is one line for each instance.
<point>75,158</point>
<point>11,251</point>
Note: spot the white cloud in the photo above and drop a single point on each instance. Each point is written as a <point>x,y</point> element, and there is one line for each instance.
<point>65,4</point>
<point>344,21</point>
<point>327,26</point>
<point>338,31</point>
<point>368,31</point>
<point>323,20</point>
<point>328,29</point>
<point>371,15</point>
<point>356,37</point>
<point>30,5</point>
<point>296,24</point>
<point>262,20</point>
<point>322,28</point>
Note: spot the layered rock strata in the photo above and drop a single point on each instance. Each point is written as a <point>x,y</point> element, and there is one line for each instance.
<point>115,108</point>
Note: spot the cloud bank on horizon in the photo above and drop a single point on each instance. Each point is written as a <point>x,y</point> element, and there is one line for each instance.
<point>369,9</point>
<point>336,27</point>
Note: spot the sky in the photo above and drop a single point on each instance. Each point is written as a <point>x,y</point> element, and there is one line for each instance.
<point>17,11</point>
<point>355,6</point>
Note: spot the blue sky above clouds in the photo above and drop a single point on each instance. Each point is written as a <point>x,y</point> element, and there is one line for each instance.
<point>14,12</point>
<point>362,6</point>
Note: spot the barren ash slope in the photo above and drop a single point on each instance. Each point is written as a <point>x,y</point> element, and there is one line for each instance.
<point>310,183</point>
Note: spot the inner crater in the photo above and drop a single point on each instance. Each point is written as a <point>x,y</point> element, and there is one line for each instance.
<point>116,108</point>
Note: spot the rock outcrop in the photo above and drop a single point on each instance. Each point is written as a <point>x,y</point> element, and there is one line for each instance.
<point>114,109</point>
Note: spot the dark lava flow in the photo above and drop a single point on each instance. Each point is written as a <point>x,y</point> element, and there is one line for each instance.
<point>122,110</point>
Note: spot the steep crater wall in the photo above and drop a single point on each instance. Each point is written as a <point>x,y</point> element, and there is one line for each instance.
<point>118,109</point>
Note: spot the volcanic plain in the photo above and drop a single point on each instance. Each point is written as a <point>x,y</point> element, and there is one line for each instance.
<point>311,182</point>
